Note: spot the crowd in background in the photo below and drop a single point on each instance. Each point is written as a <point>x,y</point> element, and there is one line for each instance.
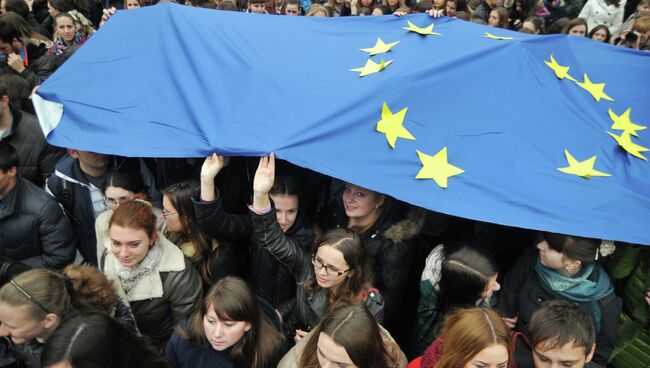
<point>108,261</point>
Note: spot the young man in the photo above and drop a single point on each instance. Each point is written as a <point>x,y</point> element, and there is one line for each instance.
<point>30,61</point>
<point>562,335</point>
<point>33,229</point>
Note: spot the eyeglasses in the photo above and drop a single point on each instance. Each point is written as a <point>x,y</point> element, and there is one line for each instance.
<point>166,213</point>
<point>29,296</point>
<point>330,270</point>
<point>114,202</point>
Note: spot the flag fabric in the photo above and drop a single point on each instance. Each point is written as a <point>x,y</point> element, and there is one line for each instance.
<point>499,126</point>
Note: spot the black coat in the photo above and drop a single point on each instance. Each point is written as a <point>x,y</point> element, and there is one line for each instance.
<point>34,230</point>
<point>522,294</point>
<point>271,279</point>
<point>182,353</point>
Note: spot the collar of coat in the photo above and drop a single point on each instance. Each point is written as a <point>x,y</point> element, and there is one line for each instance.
<point>150,286</point>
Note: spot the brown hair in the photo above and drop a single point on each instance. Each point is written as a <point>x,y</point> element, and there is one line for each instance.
<point>359,277</point>
<point>503,14</point>
<point>468,331</point>
<point>233,300</point>
<point>558,322</point>
<point>575,248</point>
<point>575,23</point>
<point>136,215</point>
<point>77,289</point>
<point>641,25</point>
<point>356,330</point>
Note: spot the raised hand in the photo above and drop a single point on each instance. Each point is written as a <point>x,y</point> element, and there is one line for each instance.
<point>212,166</point>
<point>264,176</point>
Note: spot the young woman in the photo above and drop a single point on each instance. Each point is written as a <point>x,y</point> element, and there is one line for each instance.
<point>456,275</point>
<point>98,341</point>
<point>337,273</point>
<point>34,303</point>
<point>499,18</point>
<point>535,24</point>
<point>317,10</point>
<point>159,283</point>
<point>213,259</point>
<point>475,337</point>
<point>600,33</point>
<point>642,10</point>
<point>272,279</point>
<point>133,4</point>
<point>562,267</point>
<point>576,27</point>
<point>605,12</point>
<point>70,29</point>
<point>230,329</point>
<point>347,336</point>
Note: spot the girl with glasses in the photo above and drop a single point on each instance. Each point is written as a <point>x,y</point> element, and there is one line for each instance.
<point>337,273</point>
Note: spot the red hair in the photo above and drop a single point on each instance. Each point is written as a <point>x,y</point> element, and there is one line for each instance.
<point>136,215</point>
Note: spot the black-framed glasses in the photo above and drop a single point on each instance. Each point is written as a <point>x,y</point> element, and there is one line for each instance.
<point>29,296</point>
<point>330,270</point>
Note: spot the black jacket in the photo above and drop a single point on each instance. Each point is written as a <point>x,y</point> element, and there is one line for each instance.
<point>272,280</point>
<point>34,230</point>
<point>37,158</point>
<point>522,294</point>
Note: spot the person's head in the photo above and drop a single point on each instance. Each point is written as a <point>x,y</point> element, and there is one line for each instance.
<point>17,6</point>
<point>643,9</point>
<point>317,10</point>
<point>292,8</point>
<point>65,26</point>
<point>565,253</point>
<point>18,90</point>
<point>132,229</point>
<point>347,336</point>
<point>257,6</point>
<point>228,5</point>
<point>439,4</point>
<point>423,6</point>
<point>600,33</point>
<point>340,264</point>
<point>122,186</point>
<point>99,341</point>
<point>478,20</point>
<point>467,275</point>
<point>91,163</point>
<point>641,27</point>
<point>395,4</point>
<point>178,210</point>
<point>35,302</point>
<point>366,4</point>
<point>285,194</point>
<point>475,337</point>
<point>381,10</point>
<point>498,18</point>
<point>133,4</point>
<point>12,28</point>
<point>55,7</point>
<point>562,334</point>
<point>534,24</point>
<point>362,205</point>
<point>8,165</point>
<point>450,8</point>
<point>461,15</point>
<point>232,318</point>
<point>576,27</point>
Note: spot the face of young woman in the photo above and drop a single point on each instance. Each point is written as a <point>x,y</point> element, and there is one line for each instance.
<point>222,334</point>
<point>493,356</point>
<point>129,246</point>
<point>377,12</point>
<point>66,28</point>
<point>438,4</point>
<point>392,3</point>
<point>17,324</point>
<point>493,21</point>
<point>450,8</point>
<point>331,354</point>
<point>579,30</point>
<point>366,3</point>
<point>643,10</point>
<point>171,216</point>
<point>549,257</point>
<point>53,12</point>
<point>360,202</point>
<point>286,210</point>
<point>531,26</point>
<point>115,196</point>
<point>132,4</point>
<point>330,267</point>
<point>491,286</point>
<point>599,35</point>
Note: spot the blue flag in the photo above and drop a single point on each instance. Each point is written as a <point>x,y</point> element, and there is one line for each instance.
<point>497,126</point>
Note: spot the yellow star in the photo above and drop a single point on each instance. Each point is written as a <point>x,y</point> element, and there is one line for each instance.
<point>437,168</point>
<point>490,35</point>
<point>624,123</point>
<point>372,67</point>
<point>380,47</point>
<point>625,141</point>
<point>560,71</point>
<point>596,89</point>
<point>391,125</point>
<point>583,169</point>
<point>423,31</point>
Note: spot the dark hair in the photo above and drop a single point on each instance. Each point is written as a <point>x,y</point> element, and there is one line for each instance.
<point>356,330</point>
<point>575,23</point>
<point>385,9</point>
<point>598,28</point>
<point>558,26</point>
<point>8,156</point>
<point>18,90</point>
<point>228,5</point>
<point>461,5</point>
<point>17,6</point>
<point>537,23</point>
<point>13,26</point>
<point>502,13</point>
<point>256,1</point>
<point>461,15</point>
<point>364,11</point>
<point>180,196</point>
<point>464,276</point>
<point>293,2</point>
<point>559,322</point>
<point>99,341</point>
<point>127,180</point>
<point>233,300</point>
<point>62,5</point>
<point>574,247</point>
<point>285,185</point>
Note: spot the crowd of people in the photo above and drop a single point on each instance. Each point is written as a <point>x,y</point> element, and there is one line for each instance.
<point>108,261</point>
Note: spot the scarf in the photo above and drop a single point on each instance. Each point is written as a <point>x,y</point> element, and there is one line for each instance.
<point>130,276</point>
<point>60,45</point>
<point>587,286</point>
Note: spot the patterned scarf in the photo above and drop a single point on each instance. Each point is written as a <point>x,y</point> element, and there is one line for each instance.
<point>130,276</point>
<point>60,45</point>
